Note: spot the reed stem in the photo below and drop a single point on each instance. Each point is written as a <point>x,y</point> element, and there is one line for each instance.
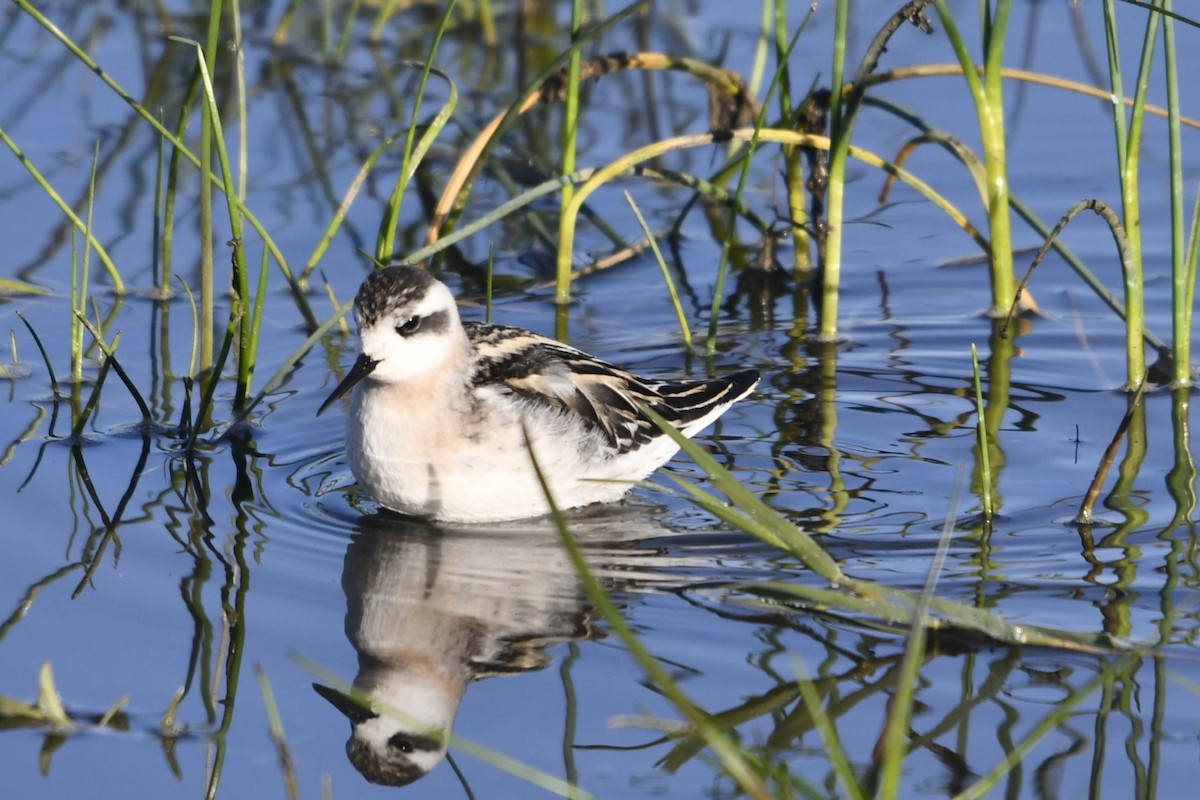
<point>570,129</point>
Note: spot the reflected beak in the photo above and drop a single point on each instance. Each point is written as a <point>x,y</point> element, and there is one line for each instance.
<point>345,704</point>
<point>361,369</point>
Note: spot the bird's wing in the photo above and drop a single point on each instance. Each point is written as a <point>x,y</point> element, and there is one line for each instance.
<point>605,398</point>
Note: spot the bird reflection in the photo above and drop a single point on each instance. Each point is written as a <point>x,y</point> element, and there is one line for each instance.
<point>430,608</point>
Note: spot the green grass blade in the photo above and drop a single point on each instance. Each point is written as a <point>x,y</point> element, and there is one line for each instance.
<point>78,224</point>
<point>883,602</point>
<point>743,178</point>
<point>570,126</point>
<point>830,739</point>
<point>719,742</point>
<point>839,134</point>
<point>37,340</point>
<point>80,283</point>
<point>191,370</point>
<point>985,472</point>
<point>986,93</point>
<point>240,314</point>
<point>796,541</point>
<point>343,208</point>
<point>110,355</point>
<point>275,725</point>
<point>386,243</point>
<point>90,406</point>
<point>243,114</point>
<point>209,388</point>
<point>1182,275</point>
<point>900,704</point>
<point>13,286</point>
<point>666,272</point>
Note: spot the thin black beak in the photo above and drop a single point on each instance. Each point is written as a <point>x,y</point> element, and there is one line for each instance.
<point>361,369</point>
<point>345,704</point>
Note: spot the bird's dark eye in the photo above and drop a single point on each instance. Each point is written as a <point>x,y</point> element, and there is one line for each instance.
<point>410,327</point>
<point>401,742</point>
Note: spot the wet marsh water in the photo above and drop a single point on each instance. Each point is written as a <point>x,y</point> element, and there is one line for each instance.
<point>136,570</point>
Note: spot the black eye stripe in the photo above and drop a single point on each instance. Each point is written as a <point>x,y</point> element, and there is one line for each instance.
<point>434,323</point>
<point>413,743</point>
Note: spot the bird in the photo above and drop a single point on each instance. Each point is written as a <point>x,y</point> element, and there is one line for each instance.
<point>432,608</point>
<point>445,415</point>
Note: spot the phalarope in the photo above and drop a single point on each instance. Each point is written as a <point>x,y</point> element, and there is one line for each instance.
<point>432,608</point>
<point>444,413</point>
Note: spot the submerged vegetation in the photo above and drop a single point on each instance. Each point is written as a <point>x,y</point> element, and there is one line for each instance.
<point>441,160</point>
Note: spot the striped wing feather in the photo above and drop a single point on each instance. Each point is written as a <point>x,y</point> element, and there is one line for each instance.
<point>604,397</point>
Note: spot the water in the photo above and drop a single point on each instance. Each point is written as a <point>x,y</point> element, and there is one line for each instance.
<point>144,577</point>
